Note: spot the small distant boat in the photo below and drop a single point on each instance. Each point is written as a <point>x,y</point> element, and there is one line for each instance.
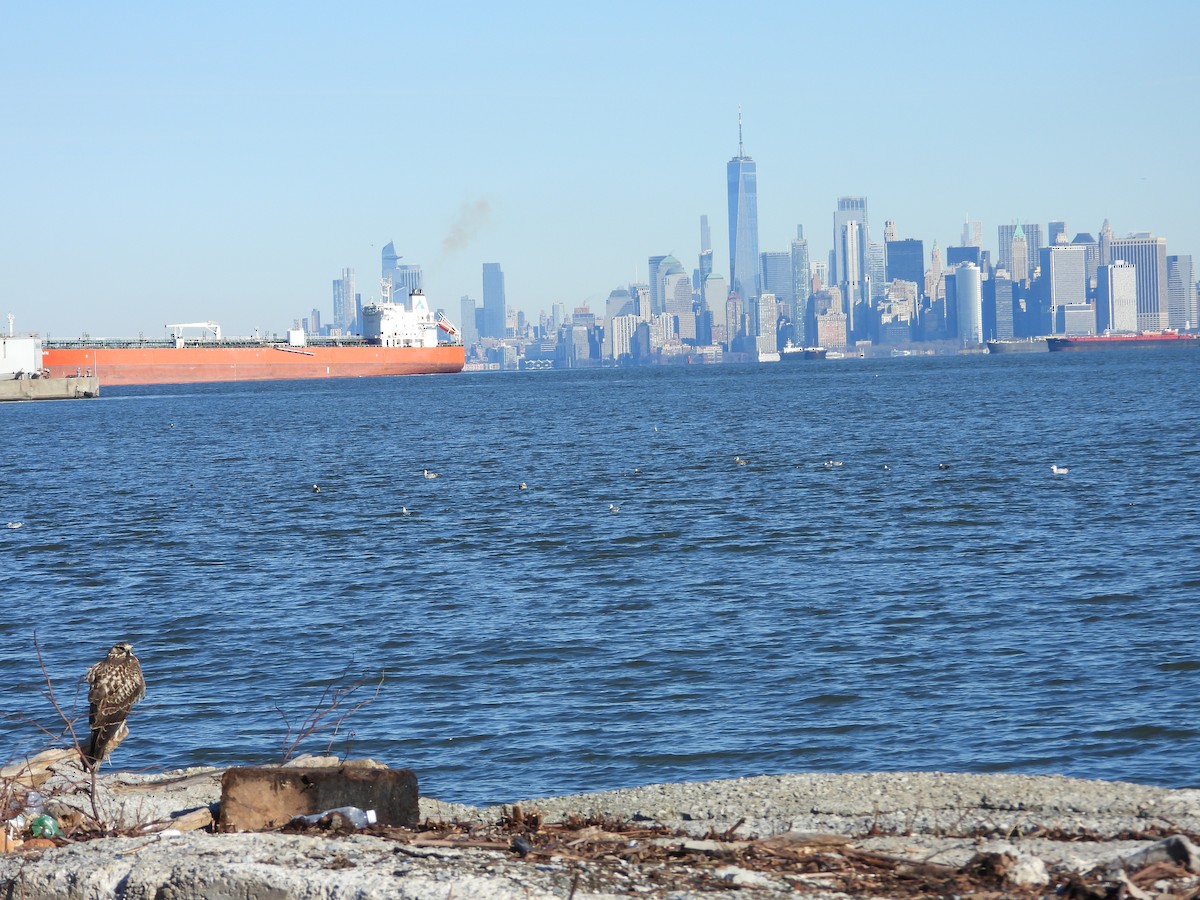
<point>896,351</point>
<point>791,352</point>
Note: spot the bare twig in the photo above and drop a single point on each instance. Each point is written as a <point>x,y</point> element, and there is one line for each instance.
<point>331,711</point>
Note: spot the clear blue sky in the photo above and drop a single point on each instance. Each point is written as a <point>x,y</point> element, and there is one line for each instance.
<point>225,160</point>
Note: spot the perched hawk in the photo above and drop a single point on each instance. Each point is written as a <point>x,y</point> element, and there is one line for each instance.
<point>116,684</point>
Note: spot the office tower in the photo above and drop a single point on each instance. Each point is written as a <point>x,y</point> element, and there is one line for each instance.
<point>972,233</point>
<point>495,310</point>
<point>667,265</point>
<point>934,284</point>
<point>1003,287</point>
<point>742,179</point>
<point>1056,233</point>
<point>876,271</point>
<point>766,323</point>
<point>677,303</point>
<point>889,230</point>
<point>1064,274</point>
<point>344,307</point>
<point>801,284</point>
<point>1106,236</point>
<point>1091,256</point>
<point>1116,298</point>
<point>706,254</point>
<point>641,300</point>
<point>404,278</point>
<point>1181,292</point>
<point>652,280</point>
<point>849,259</point>
<point>466,321</point>
<point>820,276</point>
<point>849,209</point>
<point>1018,255</point>
<point>971,253</point>
<point>716,296</point>
<point>1148,255</point>
<point>1032,234</point>
<point>776,268</point>
<point>906,262</point>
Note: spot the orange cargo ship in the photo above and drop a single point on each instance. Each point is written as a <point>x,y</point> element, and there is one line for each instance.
<point>398,340</point>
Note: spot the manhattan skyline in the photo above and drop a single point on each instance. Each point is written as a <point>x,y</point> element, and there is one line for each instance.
<point>229,169</point>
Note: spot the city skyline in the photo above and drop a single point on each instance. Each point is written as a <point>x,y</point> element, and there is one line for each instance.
<point>231,169</point>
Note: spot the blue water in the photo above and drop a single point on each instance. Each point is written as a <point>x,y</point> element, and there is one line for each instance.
<point>728,620</point>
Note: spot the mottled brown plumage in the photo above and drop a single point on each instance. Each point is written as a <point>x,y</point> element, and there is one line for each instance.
<point>116,684</point>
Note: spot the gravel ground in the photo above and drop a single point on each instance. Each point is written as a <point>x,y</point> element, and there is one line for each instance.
<point>876,834</point>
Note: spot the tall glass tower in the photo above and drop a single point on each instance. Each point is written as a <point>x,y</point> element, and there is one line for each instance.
<point>745,278</point>
<point>495,313</point>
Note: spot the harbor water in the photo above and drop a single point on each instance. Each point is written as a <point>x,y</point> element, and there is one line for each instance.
<point>939,600</point>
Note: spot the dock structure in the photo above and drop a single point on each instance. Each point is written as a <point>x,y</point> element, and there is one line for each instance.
<point>26,387</point>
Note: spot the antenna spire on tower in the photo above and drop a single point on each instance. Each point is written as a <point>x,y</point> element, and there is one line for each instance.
<point>740,153</point>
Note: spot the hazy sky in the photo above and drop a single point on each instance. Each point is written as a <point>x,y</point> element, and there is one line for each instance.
<point>226,160</point>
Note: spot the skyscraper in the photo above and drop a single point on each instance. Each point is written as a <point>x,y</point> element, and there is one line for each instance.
<point>968,290</point>
<point>1056,233</point>
<point>495,312</point>
<point>972,233</point>
<point>1064,273</point>
<point>706,255</point>
<point>906,261</point>
<point>1181,292</point>
<point>344,306</point>
<point>776,267</point>
<point>652,281</point>
<point>849,209</point>
<point>1116,297</point>
<point>1148,254</point>
<point>1032,233</point>
<point>1018,255</point>
<point>801,285</point>
<point>404,278</point>
<point>744,277</point>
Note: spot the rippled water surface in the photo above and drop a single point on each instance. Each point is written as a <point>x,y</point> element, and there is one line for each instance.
<point>729,620</point>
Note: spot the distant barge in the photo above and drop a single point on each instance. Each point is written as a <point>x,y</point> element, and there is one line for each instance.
<point>1158,340</point>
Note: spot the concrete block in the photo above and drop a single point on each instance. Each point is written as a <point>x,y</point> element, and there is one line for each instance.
<point>259,798</point>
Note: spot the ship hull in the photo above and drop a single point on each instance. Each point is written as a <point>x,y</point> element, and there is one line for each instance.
<point>1163,341</point>
<point>1030,345</point>
<point>262,362</point>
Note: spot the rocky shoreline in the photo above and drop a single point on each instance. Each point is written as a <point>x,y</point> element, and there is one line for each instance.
<point>818,835</point>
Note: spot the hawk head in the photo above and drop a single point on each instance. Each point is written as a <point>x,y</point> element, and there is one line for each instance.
<point>121,651</point>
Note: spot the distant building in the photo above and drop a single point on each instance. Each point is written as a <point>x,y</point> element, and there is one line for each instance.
<point>969,253</point>
<point>1075,319</point>
<point>1031,234</point>
<point>801,284</point>
<point>1004,309</point>
<point>876,270</point>
<point>1181,292</point>
<point>466,321</point>
<point>716,297</point>
<point>1018,256</point>
<point>1064,275</point>
<point>968,290</point>
<point>1116,297</point>
<point>404,278</point>
<point>677,303</point>
<point>972,234</point>
<point>906,261</point>
<point>768,318</point>
<point>344,307</point>
<point>1056,233</point>
<point>1148,254</point>
<point>776,267</point>
<point>652,265</point>
<point>742,181</point>
<point>706,255</point>
<point>495,309</point>
<point>850,267</point>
